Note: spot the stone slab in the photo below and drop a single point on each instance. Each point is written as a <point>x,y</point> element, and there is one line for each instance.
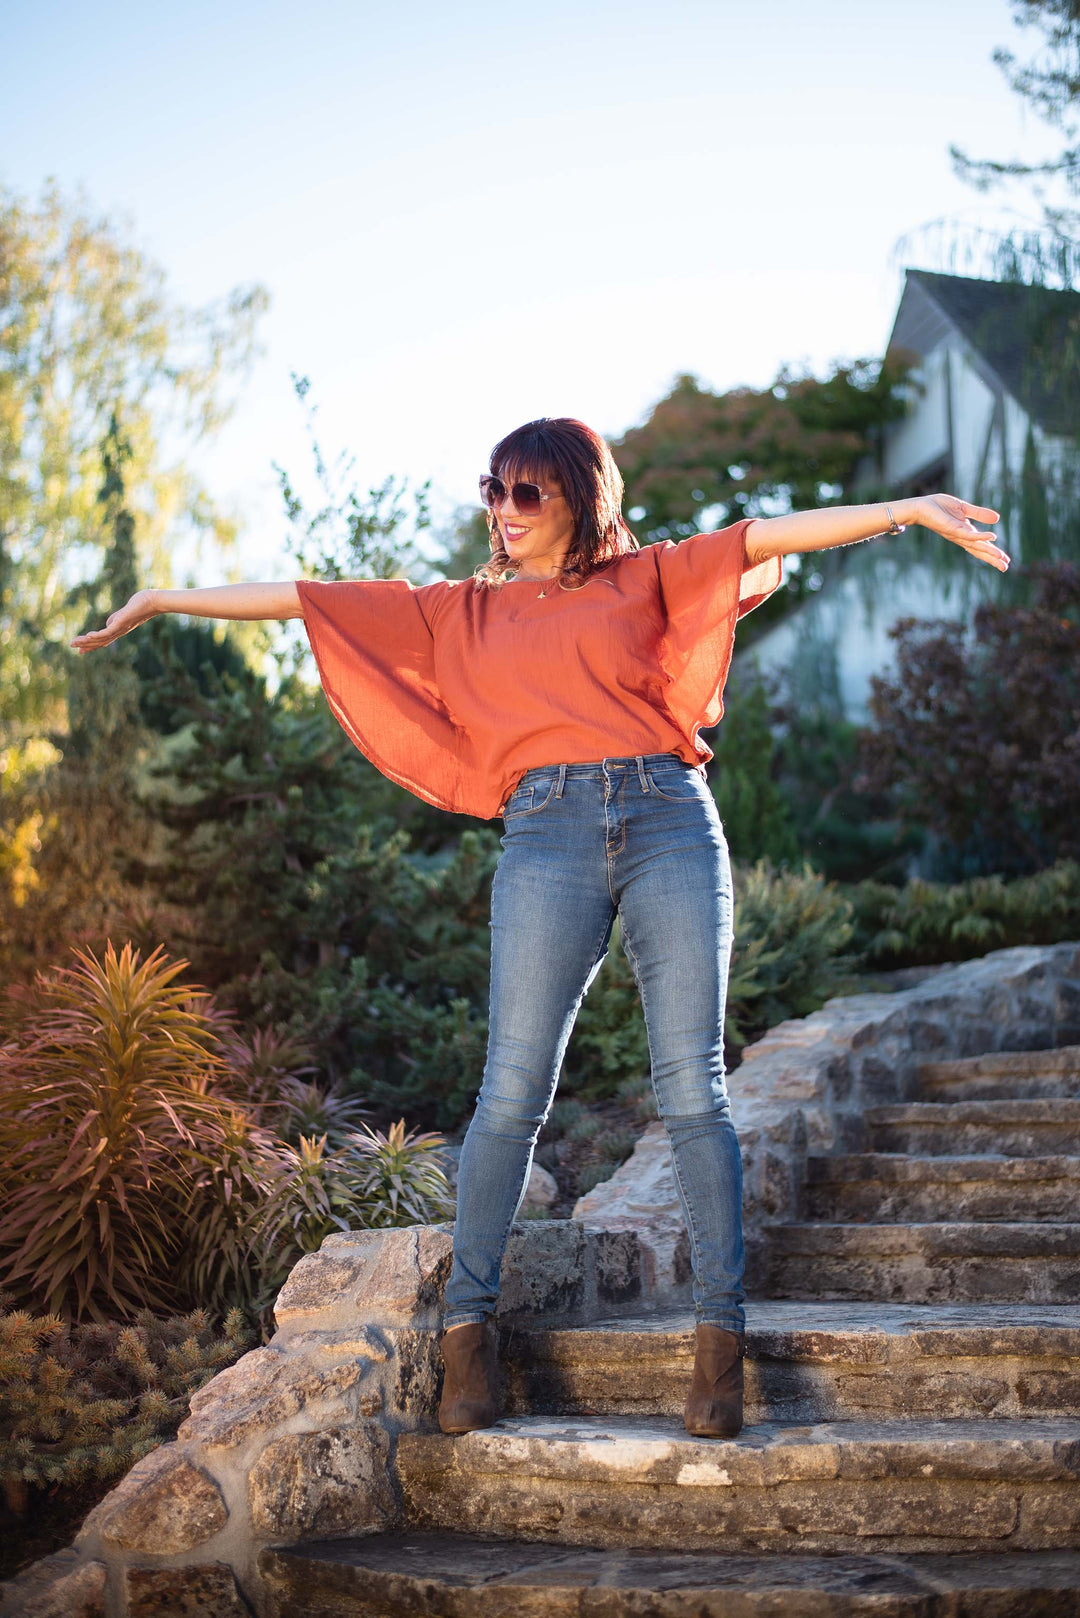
<point>1005,1074</point>
<point>839,1487</point>
<point>919,1263</point>
<point>882,1187</point>
<point>812,1362</point>
<point>441,1575</point>
<point>1014,1128</point>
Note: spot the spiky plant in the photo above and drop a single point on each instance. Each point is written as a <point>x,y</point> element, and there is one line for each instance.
<point>105,1094</point>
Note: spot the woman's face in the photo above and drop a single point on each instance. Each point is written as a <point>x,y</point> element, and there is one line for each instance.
<point>537,544</point>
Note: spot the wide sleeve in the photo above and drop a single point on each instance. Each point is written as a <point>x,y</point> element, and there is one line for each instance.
<point>706,585</point>
<point>375,653</point>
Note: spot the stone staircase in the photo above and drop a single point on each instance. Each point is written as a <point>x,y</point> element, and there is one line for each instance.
<point>912,1444</point>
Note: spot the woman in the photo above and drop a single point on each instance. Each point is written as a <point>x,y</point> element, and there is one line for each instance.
<point>565,688</point>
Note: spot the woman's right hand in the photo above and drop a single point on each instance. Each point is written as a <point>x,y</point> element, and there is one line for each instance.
<point>137,611</point>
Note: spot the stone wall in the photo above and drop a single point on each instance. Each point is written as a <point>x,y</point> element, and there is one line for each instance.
<point>805,1086</point>
<point>298,1439</point>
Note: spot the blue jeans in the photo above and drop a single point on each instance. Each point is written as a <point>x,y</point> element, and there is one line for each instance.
<point>641,838</point>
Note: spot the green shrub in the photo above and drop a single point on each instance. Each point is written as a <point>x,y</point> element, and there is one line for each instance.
<point>637,1091</point>
<point>594,1174</point>
<point>792,935</point>
<point>927,923</point>
<point>80,1403</point>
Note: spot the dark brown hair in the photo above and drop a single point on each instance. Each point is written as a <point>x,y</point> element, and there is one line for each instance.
<point>561,450</point>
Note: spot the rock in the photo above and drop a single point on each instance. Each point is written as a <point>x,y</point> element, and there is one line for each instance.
<point>367,1275</point>
<point>641,1197</point>
<point>209,1591</point>
<point>541,1190</point>
<point>322,1485</point>
<point>164,1504</point>
<point>269,1385</point>
<point>58,1586</point>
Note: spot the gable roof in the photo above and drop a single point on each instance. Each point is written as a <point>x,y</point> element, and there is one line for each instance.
<point>1028,336</point>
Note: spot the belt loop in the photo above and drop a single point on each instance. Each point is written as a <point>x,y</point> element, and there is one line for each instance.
<point>639,761</point>
<point>562,781</point>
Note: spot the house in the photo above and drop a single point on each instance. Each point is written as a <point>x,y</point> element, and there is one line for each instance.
<point>994,416</point>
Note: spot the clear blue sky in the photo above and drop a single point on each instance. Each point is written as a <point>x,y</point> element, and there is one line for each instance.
<point>470,214</point>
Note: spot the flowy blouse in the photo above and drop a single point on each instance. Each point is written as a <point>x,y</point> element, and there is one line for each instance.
<point>454,689</point>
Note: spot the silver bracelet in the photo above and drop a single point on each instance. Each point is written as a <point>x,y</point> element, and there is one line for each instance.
<point>894,526</point>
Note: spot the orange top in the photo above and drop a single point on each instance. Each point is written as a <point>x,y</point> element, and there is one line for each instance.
<point>455,690</point>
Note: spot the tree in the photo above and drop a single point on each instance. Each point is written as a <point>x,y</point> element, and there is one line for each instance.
<point>1050,84</point>
<point>88,330</point>
<point>791,446</point>
<point>977,736</point>
<point>703,459</point>
<point>83,808</point>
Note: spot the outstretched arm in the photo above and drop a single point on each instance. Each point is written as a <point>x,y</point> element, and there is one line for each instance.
<point>820,530</point>
<point>243,601</point>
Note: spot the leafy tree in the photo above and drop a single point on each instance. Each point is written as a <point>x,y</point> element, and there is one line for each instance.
<point>977,734</point>
<point>1050,84</point>
<point>788,444</point>
<point>89,332</point>
<point>82,809</point>
<point>757,820</point>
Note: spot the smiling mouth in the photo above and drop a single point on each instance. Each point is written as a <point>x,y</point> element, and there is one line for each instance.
<point>513,531</point>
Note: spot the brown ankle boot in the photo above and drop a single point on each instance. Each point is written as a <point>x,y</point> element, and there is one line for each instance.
<point>714,1403</point>
<point>468,1395</point>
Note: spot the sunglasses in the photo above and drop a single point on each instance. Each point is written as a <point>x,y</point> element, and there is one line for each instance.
<point>528,497</point>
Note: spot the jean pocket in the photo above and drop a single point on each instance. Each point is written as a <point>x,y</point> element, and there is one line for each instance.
<point>678,786</point>
<point>530,798</point>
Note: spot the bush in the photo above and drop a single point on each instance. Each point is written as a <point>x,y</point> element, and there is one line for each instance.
<point>976,735</point>
<point>927,923</point>
<point>105,1095</point>
<point>137,1166</point>
<point>792,932</point>
<point>82,1403</point>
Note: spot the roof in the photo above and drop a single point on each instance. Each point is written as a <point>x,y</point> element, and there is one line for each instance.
<point>1029,336</point>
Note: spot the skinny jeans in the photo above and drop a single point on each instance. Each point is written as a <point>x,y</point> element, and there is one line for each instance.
<point>639,838</point>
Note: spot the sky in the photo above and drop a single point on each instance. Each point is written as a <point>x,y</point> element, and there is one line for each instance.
<point>467,215</point>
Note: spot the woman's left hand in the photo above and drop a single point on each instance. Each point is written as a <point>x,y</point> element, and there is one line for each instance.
<point>951,517</point>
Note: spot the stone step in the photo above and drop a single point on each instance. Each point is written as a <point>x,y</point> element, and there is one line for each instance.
<point>927,1263</point>
<point>829,1487</point>
<point>886,1187</point>
<point>447,1575</point>
<point>1003,1075</point>
<point>812,1362</point>
<point>950,1129</point>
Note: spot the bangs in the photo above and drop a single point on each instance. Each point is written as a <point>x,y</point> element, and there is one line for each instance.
<point>526,457</point>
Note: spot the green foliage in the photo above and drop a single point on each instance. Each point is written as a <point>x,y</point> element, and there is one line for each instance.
<point>86,1402</point>
<point>610,1039</point>
<point>757,820</point>
<point>370,1180</point>
<point>89,331</point>
<point>792,933</point>
<point>353,534</point>
<point>925,923</point>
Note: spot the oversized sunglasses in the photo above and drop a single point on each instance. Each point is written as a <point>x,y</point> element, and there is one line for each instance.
<point>528,497</point>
